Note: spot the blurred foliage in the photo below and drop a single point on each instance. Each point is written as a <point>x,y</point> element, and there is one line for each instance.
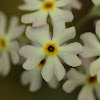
<point>10,86</point>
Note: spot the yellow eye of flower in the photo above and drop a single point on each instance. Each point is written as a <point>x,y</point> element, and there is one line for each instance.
<point>3,43</point>
<point>51,49</point>
<point>48,5</point>
<point>92,80</point>
<point>42,63</point>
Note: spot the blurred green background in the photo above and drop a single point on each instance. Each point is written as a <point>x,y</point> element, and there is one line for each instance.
<point>10,86</point>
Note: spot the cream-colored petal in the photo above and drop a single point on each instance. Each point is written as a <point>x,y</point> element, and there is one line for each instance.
<point>61,15</point>
<point>15,30</point>
<point>31,5</point>
<point>92,45</point>
<point>4,64</point>
<point>76,4</point>
<point>40,35</point>
<point>33,78</point>
<point>59,70</point>
<point>13,49</point>
<point>98,29</point>
<point>34,54</point>
<point>90,40</point>
<point>3,23</point>
<point>69,54</point>
<point>73,74</point>
<point>95,67</point>
<point>47,71</point>
<point>86,94</point>
<point>61,35</point>
<point>53,83</point>
<point>71,85</point>
<point>38,18</point>
<point>29,51</point>
<point>96,2</point>
<point>97,90</point>
<point>98,76</point>
<point>61,3</point>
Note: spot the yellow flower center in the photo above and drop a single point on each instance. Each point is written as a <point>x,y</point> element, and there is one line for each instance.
<point>51,49</point>
<point>42,63</point>
<point>92,80</point>
<point>48,5</point>
<point>3,43</point>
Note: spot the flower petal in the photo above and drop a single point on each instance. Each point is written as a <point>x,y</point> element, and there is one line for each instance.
<point>98,29</point>
<point>61,15</point>
<point>40,35</point>
<point>73,74</point>
<point>92,45</point>
<point>53,83</point>
<point>61,3</point>
<point>59,70</point>
<point>13,49</point>
<point>95,67</point>
<point>97,90</point>
<point>98,76</point>
<point>4,64</point>
<point>61,34</point>
<point>96,2</point>
<point>3,22</point>
<point>15,30</point>
<point>47,71</point>
<point>32,77</point>
<point>86,94</point>
<point>29,51</point>
<point>31,5</point>
<point>38,18</point>
<point>69,54</point>
<point>70,85</point>
<point>90,40</point>
<point>34,54</point>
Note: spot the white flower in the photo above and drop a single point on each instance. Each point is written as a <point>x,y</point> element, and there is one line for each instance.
<point>34,78</point>
<point>76,79</point>
<point>51,49</point>
<point>96,2</point>
<point>76,4</point>
<point>43,9</point>
<point>92,49</point>
<point>8,43</point>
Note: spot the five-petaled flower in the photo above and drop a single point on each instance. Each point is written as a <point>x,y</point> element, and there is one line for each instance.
<point>52,49</point>
<point>89,83</point>
<point>92,49</point>
<point>44,8</point>
<point>8,44</point>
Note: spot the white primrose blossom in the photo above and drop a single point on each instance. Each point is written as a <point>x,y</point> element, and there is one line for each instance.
<point>96,2</point>
<point>8,43</point>
<point>76,4</point>
<point>51,49</point>
<point>44,8</point>
<point>34,79</point>
<point>89,83</point>
<point>92,49</point>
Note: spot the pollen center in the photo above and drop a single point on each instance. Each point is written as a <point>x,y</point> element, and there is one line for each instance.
<point>42,63</point>
<point>92,80</point>
<point>51,49</point>
<point>48,5</point>
<point>3,43</point>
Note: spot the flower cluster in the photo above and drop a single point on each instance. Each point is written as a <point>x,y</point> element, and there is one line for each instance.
<point>50,52</point>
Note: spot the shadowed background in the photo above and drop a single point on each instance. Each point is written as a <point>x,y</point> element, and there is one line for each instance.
<point>11,87</point>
